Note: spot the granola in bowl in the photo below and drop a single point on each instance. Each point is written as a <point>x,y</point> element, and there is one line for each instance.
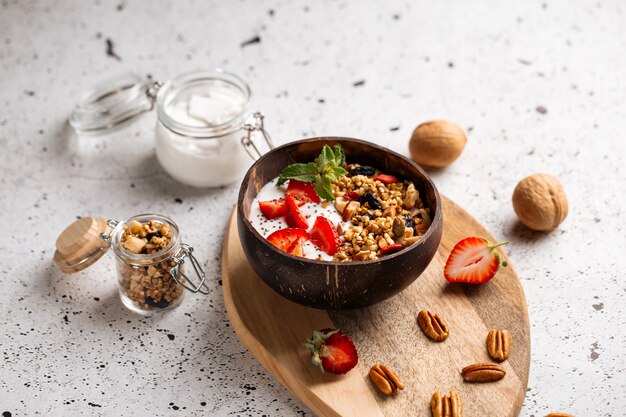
<point>347,212</point>
<point>385,214</point>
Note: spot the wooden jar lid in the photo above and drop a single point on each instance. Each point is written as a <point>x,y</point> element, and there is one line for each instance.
<point>80,245</point>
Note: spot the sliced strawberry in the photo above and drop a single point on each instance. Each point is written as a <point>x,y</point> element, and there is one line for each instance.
<point>324,235</point>
<point>286,239</point>
<point>296,248</point>
<point>293,216</point>
<point>391,248</point>
<point>272,209</point>
<point>275,208</point>
<point>302,190</point>
<point>386,179</point>
<point>473,260</point>
<point>352,195</point>
<point>332,351</point>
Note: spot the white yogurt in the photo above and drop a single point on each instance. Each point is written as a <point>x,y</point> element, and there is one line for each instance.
<point>309,210</point>
<point>202,162</point>
<point>198,135</point>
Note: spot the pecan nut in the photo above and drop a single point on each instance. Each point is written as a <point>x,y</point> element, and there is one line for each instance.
<point>498,344</point>
<point>483,372</point>
<point>386,380</point>
<point>559,415</point>
<point>433,325</point>
<point>446,406</point>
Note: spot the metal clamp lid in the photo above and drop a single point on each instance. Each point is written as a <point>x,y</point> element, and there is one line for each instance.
<point>112,103</point>
<point>253,124</point>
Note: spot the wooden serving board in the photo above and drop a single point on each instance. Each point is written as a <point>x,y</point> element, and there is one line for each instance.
<point>274,330</point>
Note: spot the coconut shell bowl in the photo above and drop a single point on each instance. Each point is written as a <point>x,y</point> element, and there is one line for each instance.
<point>337,285</point>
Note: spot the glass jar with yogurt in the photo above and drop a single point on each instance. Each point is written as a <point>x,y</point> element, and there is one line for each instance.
<point>205,131</point>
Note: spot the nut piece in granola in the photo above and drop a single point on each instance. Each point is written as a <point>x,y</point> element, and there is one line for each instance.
<point>387,382</point>
<point>399,227</point>
<point>134,244</point>
<point>560,415</point>
<point>446,406</point>
<point>433,326</point>
<point>349,210</point>
<point>498,344</point>
<point>483,372</point>
<point>340,204</point>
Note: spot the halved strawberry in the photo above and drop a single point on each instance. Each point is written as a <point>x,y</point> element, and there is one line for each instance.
<point>293,216</point>
<point>332,351</point>
<point>289,239</point>
<point>473,260</point>
<point>275,208</point>
<point>324,235</point>
<point>302,190</point>
<point>386,179</point>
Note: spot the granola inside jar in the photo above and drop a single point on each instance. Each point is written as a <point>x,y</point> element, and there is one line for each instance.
<point>145,247</point>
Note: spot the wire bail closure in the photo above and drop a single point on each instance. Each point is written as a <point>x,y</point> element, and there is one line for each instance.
<point>251,127</point>
<point>152,89</point>
<point>179,259</point>
<point>106,237</point>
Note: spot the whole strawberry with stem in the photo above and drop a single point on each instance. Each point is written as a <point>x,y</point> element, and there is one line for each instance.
<point>474,260</point>
<point>332,351</point>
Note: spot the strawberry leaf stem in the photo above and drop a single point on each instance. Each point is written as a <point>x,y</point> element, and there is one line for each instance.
<point>492,249</point>
<point>497,245</point>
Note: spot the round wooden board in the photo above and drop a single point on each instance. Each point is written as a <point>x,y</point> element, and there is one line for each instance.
<point>274,330</point>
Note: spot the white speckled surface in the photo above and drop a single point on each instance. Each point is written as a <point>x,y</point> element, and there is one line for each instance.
<point>371,70</point>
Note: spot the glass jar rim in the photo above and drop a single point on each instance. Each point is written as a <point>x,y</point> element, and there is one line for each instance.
<point>171,86</point>
<point>149,258</point>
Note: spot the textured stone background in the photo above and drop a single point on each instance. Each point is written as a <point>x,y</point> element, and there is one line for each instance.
<point>539,85</point>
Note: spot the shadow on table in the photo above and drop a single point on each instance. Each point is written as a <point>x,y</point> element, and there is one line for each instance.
<point>516,232</point>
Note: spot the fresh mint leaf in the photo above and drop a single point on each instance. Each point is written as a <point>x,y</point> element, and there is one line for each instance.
<point>340,156</point>
<point>300,172</point>
<point>337,172</point>
<point>323,187</point>
<point>326,157</point>
<point>334,172</point>
<point>328,167</point>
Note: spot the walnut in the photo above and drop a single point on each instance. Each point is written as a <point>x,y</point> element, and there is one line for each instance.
<point>437,143</point>
<point>540,202</point>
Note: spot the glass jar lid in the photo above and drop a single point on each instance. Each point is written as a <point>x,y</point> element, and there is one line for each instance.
<point>112,103</point>
<point>80,245</point>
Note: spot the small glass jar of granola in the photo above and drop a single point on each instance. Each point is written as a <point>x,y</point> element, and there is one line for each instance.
<point>149,254</point>
<point>145,247</point>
